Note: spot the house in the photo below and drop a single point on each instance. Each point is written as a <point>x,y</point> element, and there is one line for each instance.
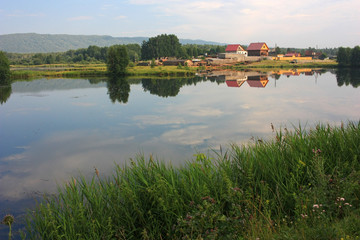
<point>258,49</point>
<point>314,55</point>
<point>235,48</point>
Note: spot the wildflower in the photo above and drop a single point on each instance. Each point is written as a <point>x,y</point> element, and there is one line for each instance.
<point>8,220</point>
<point>316,206</point>
<point>342,199</point>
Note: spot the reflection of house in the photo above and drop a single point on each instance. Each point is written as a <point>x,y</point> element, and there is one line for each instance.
<point>258,49</point>
<point>258,81</point>
<point>235,48</point>
<point>295,72</point>
<point>234,83</point>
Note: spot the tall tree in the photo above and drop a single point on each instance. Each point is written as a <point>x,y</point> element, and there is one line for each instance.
<point>117,60</point>
<point>4,69</point>
<point>355,57</point>
<point>161,46</point>
<point>343,56</point>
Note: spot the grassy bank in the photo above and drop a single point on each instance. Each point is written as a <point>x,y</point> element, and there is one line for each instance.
<point>93,70</point>
<point>300,185</point>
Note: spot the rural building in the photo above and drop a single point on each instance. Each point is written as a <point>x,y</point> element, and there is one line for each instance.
<point>292,54</point>
<point>235,48</point>
<point>258,49</point>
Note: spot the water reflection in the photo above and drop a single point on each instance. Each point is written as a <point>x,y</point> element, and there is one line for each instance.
<point>348,77</point>
<point>5,92</point>
<point>51,129</point>
<point>118,89</point>
<point>168,87</point>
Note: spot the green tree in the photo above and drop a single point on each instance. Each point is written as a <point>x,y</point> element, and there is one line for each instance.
<point>343,56</point>
<point>117,60</point>
<point>355,57</point>
<point>277,50</point>
<point>4,69</point>
<point>161,46</point>
<point>322,56</point>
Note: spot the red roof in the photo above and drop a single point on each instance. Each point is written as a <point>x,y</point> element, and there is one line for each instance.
<point>232,83</point>
<point>257,83</point>
<point>256,46</point>
<point>233,47</point>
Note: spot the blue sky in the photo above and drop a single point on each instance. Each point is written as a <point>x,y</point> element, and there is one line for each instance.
<point>305,23</point>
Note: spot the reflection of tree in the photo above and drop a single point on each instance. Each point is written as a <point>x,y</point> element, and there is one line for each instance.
<point>167,87</point>
<point>5,92</point>
<point>348,76</point>
<point>162,87</point>
<point>118,89</point>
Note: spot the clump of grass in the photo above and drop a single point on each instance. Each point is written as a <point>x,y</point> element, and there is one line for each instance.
<point>286,188</point>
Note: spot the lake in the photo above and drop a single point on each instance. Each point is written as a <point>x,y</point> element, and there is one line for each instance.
<point>52,129</point>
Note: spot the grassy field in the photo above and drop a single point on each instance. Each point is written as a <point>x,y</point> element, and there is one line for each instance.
<point>300,185</point>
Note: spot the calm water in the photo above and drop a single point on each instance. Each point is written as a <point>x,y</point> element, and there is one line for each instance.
<point>51,129</point>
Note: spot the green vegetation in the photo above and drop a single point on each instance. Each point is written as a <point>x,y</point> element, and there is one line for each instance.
<point>349,57</point>
<point>4,69</point>
<point>117,61</point>
<point>301,185</point>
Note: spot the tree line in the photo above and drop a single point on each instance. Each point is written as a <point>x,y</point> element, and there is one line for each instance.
<point>349,57</point>
<point>160,46</point>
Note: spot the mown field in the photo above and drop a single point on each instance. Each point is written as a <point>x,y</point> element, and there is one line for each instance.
<point>302,184</point>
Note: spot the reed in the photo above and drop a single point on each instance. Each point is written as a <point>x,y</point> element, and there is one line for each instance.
<point>286,188</point>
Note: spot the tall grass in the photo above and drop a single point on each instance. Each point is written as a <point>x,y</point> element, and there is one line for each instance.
<point>301,185</point>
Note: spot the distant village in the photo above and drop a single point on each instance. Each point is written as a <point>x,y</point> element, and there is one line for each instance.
<point>236,53</point>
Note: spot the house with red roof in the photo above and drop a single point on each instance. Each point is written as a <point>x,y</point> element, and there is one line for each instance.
<point>258,49</point>
<point>235,48</point>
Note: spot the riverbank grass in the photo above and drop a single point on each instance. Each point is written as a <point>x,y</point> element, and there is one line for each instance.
<point>95,70</point>
<point>303,184</point>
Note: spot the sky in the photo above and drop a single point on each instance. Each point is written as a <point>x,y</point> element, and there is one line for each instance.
<point>283,23</point>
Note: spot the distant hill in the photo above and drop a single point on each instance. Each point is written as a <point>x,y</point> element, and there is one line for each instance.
<point>45,43</point>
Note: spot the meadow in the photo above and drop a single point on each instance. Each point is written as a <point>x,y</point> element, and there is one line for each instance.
<point>302,184</point>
